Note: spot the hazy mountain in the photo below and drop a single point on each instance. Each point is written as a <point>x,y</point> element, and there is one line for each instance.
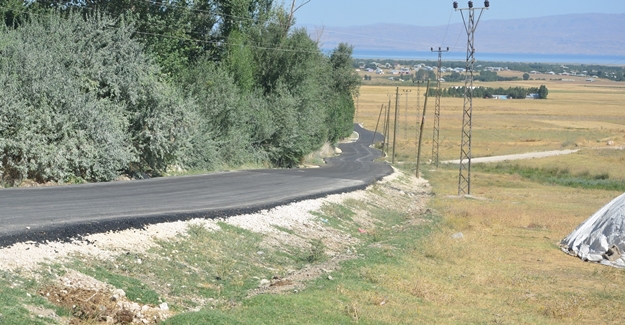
<point>594,34</point>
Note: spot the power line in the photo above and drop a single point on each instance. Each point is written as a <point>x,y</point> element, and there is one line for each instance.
<point>371,37</point>
<point>447,29</point>
<point>164,4</point>
<point>457,40</point>
<point>232,44</point>
<point>193,39</point>
<point>619,60</point>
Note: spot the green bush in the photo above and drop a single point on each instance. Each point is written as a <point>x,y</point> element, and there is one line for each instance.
<point>80,99</point>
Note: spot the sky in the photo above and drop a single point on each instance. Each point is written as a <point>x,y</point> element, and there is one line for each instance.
<point>438,12</point>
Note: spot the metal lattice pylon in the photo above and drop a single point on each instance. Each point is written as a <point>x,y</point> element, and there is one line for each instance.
<point>437,107</point>
<point>470,24</point>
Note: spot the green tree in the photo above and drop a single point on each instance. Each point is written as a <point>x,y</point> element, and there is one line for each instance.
<point>526,76</point>
<point>543,92</point>
<point>487,76</point>
<point>345,86</point>
<point>255,89</point>
<point>454,76</point>
<point>423,75</point>
<point>240,61</point>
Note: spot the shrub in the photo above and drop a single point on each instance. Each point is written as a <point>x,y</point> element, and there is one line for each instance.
<point>81,100</point>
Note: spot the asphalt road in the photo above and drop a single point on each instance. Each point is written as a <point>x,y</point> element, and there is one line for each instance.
<point>63,212</point>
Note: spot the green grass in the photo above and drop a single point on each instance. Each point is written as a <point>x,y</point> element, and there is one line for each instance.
<point>286,230</point>
<point>357,292</point>
<point>222,265</point>
<point>15,294</point>
<point>337,211</point>
<point>337,216</point>
<point>135,290</point>
<point>555,176</point>
<point>317,251</point>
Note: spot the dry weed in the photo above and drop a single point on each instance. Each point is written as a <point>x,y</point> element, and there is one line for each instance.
<point>353,310</point>
<point>91,301</point>
<point>370,275</point>
<point>567,308</point>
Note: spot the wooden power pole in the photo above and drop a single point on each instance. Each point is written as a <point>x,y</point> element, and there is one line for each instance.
<point>425,105</point>
<point>395,123</point>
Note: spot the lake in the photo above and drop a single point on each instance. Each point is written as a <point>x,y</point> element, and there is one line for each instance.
<point>496,57</point>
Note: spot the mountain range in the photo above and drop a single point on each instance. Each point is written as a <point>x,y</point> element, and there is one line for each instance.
<point>587,34</point>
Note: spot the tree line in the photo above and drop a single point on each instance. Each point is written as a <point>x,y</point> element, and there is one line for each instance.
<point>489,92</point>
<point>484,76</point>
<point>611,72</point>
<point>99,88</point>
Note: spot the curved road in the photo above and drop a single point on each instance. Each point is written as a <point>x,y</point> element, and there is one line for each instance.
<point>59,213</point>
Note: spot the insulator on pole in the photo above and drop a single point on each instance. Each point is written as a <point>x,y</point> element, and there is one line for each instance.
<point>455,4</point>
<point>470,4</point>
<point>486,4</point>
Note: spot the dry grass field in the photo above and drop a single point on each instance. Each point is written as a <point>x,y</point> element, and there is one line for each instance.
<point>507,268</point>
<point>576,114</point>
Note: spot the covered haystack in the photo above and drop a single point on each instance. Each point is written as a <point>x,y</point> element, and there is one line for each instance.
<point>601,238</point>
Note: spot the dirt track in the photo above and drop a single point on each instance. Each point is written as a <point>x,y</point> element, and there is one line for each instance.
<point>528,155</point>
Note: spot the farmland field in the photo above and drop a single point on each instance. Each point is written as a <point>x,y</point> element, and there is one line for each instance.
<point>576,114</point>
<point>507,267</point>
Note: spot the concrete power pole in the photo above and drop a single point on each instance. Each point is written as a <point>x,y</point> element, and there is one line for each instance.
<point>470,24</point>
<point>437,107</point>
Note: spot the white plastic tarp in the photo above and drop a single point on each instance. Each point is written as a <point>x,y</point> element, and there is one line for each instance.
<point>601,238</point>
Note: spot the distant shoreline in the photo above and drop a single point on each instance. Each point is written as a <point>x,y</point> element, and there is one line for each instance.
<point>493,57</point>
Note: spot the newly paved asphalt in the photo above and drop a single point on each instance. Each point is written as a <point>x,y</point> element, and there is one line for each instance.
<point>63,212</point>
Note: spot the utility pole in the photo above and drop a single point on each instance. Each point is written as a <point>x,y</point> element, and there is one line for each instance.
<point>470,24</point>
<point>388,124</point>
<point>406,92</point>
<point>416,144</point>
<point>437,106</point>
<point>395,124</point>
<point>425,105</point>
<point>384,130</point>
<point>376,128</point>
